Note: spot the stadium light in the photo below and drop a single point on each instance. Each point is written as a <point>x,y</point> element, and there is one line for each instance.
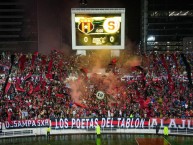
<point>151,38</point>
<point>83,2</point>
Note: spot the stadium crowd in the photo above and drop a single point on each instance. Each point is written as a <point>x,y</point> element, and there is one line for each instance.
<point>56,86</point>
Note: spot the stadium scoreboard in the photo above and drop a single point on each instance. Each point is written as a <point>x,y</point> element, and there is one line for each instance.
<point>96,28</point>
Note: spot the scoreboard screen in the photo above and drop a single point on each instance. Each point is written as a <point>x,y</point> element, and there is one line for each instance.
<point>98,29</point>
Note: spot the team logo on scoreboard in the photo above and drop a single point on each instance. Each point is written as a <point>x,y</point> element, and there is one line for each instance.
<point>86,25</point>
<point>111,25</point>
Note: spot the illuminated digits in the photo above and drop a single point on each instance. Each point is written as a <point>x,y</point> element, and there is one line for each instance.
<point>112,39</point>
<point>111,25</point>
<point>85,39</point>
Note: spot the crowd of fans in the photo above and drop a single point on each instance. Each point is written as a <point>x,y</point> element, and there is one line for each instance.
<point>34,86</point>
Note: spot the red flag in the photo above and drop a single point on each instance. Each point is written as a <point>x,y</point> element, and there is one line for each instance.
<point>114,61</point>
<point>133,68</point>
<point>60,95</point>
<point>34,57</point>
<point>84,70</point>
<point>7,87</point>
<point>28,76</point>
<point>50,65</point>
<point>141,102</point>
<point>43,60</point>
<point>79,105</point>
<point>166,67</point>
<point>60,64</point>
<point>175,61</point>
<point>43,84</point>
<point>147,102</point>
<point>18,88</point>
<point>22,61</point>
<point>9,114</point>
<point>49,76</point>
<point>164,62</point>
<point>36,53</point>
<point>130,82</point>
<point>37,88</point>
<point>137,93</point>
<point>31,89</point>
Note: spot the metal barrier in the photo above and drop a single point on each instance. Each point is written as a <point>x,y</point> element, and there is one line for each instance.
<point>17,133</point>
<point>181,131</point>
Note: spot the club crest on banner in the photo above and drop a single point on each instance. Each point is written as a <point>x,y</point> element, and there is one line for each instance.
<point>100,95</point>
